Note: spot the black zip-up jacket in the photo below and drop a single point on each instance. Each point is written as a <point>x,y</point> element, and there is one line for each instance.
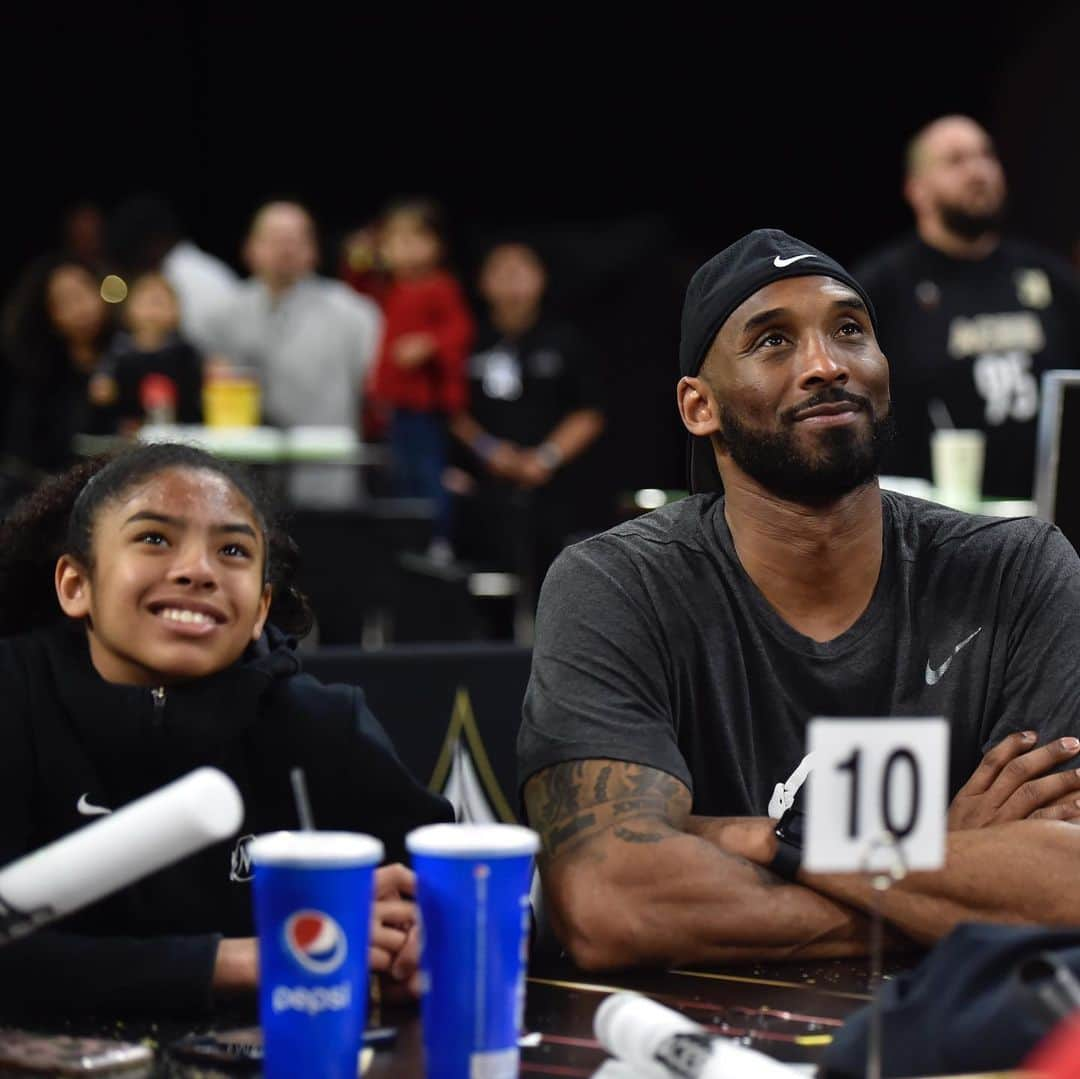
<point>67,735</point>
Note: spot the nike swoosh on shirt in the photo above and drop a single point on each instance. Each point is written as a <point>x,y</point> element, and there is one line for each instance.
<point>780,263</point>
<point>88,810</point>
<point>934,674</point>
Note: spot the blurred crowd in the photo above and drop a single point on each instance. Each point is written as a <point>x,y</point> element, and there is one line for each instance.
<point>485,399</point>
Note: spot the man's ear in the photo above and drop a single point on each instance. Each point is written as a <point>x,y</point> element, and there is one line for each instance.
<point>72,587</point>
<point>264,610</point>
<point>697,405</point>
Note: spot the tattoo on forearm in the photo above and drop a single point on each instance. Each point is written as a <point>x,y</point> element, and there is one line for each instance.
<point>569,803</point>
<point>566,783</point>
<point>559,794</point>
<point>633,805</point>
<point>631,836</point>
<point>560,836</point>
<point>602,782</point>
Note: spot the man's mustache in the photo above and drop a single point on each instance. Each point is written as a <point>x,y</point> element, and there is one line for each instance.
<point>830,396</point>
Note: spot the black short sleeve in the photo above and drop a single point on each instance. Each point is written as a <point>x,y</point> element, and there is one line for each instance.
<point>599,686</point>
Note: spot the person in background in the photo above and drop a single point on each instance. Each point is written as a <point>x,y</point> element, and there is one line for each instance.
<point>57,327</point>
<point>144,233</point>
<point>360,262</point>
<point>148,627</point>
<point>419,377</point>
<point>156,374</point>
<point>969,318</point>
<point>534,408</point>
<point>361,267</point>
<point>309,340</point>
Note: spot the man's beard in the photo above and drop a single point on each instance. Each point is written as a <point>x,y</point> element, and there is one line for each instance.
<point>971,226</point>
<point>847,456</point>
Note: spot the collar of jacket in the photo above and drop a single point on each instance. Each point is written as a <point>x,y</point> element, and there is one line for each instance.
<point>132,732</point>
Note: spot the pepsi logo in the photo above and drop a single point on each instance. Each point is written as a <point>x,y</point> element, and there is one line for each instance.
<point>316,941</point>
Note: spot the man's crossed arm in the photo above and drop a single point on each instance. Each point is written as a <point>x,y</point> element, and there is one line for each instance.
<point>631,877</point>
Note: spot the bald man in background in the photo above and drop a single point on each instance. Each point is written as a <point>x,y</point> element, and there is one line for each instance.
<point>968,317</point>
<point>308,339</point>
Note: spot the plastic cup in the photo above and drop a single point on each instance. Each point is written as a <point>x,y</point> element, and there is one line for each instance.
<point>472,884</point>
<point>231,400</point>
<point>956,459</point>
<point>313,916</point>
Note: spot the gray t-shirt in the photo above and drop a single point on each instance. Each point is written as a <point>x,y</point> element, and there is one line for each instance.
<point>653,646</point>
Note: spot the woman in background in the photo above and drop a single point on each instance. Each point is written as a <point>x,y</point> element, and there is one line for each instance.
<point>57,327</point>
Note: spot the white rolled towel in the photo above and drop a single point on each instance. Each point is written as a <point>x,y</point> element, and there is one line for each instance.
<point>144,836</point>
<point>655,1042</point>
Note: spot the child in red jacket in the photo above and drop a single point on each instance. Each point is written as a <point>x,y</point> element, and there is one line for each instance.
<point>420,376</point>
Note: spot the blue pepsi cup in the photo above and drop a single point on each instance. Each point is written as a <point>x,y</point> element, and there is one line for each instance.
<point>472,885</point>
<point>313,916</point>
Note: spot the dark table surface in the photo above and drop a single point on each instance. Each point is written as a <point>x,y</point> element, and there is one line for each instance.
<point>787,1010</point>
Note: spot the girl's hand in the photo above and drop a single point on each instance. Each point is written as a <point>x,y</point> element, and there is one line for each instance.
<point>407,961</point>
<point>236,967</point>
<point>395,943</point>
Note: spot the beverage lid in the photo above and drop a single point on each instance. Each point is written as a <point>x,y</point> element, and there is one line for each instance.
<point>314,849</point>
<point>473,840</point>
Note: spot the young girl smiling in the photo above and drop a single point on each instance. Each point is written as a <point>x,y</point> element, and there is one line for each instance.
<point>152,617</point>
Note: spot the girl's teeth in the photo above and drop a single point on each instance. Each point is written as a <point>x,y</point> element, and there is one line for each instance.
<point>185,616</point>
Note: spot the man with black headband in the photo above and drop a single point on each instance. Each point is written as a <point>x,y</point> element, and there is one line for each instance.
<point>969,318</point>
<point>678,657</point>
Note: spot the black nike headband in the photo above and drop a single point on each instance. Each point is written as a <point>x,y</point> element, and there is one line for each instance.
<point>719,286</point>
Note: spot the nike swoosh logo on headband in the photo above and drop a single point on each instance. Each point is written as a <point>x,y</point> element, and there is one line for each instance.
<point>780,263</point>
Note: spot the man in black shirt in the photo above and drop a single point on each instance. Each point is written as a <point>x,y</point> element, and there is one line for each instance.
<point>968,318</point>
<point>534,410</point>
<point>679,657</point>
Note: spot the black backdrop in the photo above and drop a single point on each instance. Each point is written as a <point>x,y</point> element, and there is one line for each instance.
<point>635,142</point>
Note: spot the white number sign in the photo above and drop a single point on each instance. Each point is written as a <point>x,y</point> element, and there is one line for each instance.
<point>872,778</point>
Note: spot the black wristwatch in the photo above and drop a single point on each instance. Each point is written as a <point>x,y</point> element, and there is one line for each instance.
<point>789,844</point>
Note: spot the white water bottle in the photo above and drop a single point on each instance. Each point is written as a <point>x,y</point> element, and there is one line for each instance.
<point>659,1043</point>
